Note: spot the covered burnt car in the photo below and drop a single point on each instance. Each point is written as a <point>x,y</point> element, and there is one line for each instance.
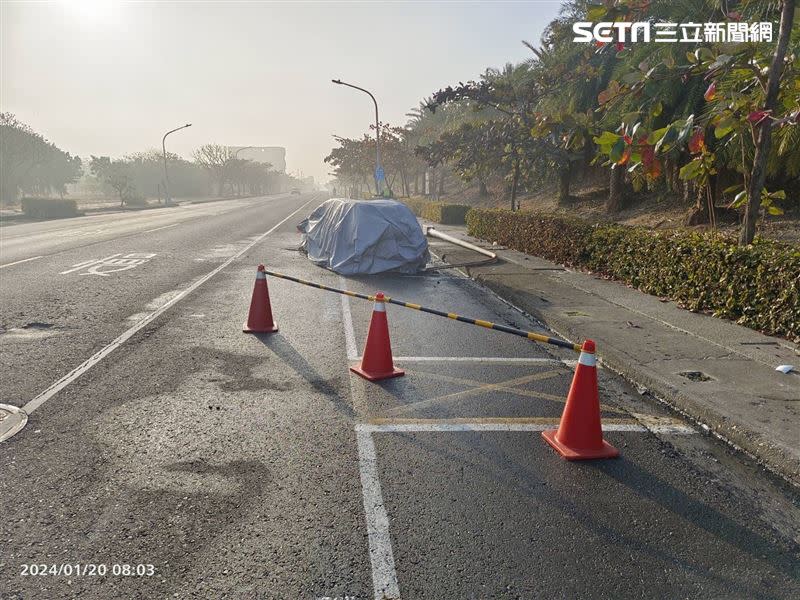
<point>354,237</point>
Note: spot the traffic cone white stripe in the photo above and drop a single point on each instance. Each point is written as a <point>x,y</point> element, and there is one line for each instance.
<point>588,359</point>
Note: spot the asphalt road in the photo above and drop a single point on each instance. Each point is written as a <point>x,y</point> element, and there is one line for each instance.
<point>206,463</point>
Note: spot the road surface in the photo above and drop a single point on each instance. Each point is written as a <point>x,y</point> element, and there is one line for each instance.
<point>169,455</point>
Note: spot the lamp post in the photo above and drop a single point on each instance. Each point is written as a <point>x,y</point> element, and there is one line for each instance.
<point>167,198</point>
<point>378,169</point>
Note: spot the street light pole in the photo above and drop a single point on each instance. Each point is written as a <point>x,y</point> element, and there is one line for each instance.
<point>378,186</point>
<point>167,198</point>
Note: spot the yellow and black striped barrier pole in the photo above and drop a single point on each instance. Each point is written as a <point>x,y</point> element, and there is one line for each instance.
<point>536,337</point>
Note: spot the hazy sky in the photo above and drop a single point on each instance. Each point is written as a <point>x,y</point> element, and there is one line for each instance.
<point>100,77</point>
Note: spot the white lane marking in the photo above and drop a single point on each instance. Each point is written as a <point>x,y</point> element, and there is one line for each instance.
<point>111,264</point>
<point>330,308</point>
<point>12,420</point>
<point>154,304</point>
<point>160,228</point>
<point>671,429</point>
<point>19,262</point>
<point>425,427</point>
<point>80,233</point>
<point>384,576</point>
<point>662,425</point>
<point>96,358</point>
<point>87,263</point>
<point>347,323</point>
<point>479,359</point>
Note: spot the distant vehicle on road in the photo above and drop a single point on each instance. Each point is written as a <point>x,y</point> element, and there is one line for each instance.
<point>295,191</point>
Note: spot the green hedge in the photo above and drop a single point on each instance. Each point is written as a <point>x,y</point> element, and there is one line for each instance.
<point>48,208</point>
<point>757,286</point>
<point>438,212</point>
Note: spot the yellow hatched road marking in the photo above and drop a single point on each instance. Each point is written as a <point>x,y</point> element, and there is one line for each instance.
<point>479,387</point>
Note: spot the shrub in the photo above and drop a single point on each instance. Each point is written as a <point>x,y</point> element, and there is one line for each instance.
<point>549,236</point>
<point>48,208</point>
<point>438,212</point>
<point>135,200</point>
<point>757,286</point>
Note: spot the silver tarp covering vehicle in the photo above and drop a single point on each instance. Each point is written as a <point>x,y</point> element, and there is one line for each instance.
<point>354,237</point>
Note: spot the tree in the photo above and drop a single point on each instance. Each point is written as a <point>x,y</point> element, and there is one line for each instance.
<point>218,161</point>
<point>763,126</point>
<point>29,163</point>
<point>353,162</point>
<point>117,175</point>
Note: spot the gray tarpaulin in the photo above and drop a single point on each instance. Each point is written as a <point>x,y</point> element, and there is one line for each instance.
<point>354,237</point>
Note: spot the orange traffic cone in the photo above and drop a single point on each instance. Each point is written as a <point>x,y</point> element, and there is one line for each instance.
<point>579,435</point>
<point>259,319</point>
<point>377,364</point>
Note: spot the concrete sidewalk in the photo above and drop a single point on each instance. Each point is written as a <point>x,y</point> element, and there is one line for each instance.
<point>717,373</point>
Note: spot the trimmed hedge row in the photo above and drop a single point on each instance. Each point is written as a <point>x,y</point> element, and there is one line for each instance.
<point>438,212</point>
<point>757,286</point>
<point>48,208</point>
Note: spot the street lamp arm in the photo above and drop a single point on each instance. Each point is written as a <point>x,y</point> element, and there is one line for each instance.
<point>340,82</point>
<point>355,87</point>
<point>164,139</point>
<point>377,127</point>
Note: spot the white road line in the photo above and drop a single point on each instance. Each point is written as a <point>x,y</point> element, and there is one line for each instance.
<point>347,323</point>
<point>160,228</point>
<point>384,576</point>
<point>479,359</point>
<point>425,427</point>
<point>96,358</point>
<point>18,262</point>
<point>671,429</point>
<point>662,425</point>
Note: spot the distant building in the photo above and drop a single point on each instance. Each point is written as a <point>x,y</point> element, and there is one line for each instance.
<point>274,155</point>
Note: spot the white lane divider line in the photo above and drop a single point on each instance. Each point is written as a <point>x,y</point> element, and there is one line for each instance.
<point>160,228</point>
<point>384,575</point>
<point>479,359</point>
<point>368,428</point>
<point>19,262</point>
<point>96,358</point>
<point>347,323</point>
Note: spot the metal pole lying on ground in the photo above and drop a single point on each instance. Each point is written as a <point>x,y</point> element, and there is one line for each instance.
<point>536,337</point>
<point>433,232</point>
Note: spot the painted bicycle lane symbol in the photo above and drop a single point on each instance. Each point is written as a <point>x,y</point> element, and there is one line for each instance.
<point>111,264</point>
